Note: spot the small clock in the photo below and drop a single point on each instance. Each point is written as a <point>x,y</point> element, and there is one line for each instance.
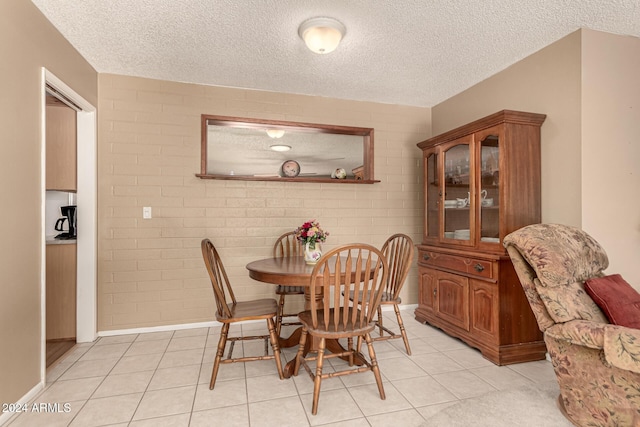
<point>290,169</point>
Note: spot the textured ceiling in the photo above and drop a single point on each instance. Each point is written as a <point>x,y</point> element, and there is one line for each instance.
<point>408,52</point>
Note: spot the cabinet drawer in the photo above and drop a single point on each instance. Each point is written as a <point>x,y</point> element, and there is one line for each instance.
<point>457,263</point>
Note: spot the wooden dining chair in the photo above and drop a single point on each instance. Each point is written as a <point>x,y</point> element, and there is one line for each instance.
<point>285,247</point>
<point>229,311</point>
<point>398,249</point>
<point>399,252</point>
<point>358,268</point>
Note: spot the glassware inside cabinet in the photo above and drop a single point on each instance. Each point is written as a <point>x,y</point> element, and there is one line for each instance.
<point>433,201</point>
<point>457,191</point>
<point>489,190</point>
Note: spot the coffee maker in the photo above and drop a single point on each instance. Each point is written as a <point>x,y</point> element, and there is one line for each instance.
<point>69,213</point>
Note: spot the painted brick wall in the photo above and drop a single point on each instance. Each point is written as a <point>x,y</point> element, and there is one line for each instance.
<point>151,271</point>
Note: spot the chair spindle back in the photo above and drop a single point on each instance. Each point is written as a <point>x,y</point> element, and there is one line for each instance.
<point>287,246</point>
<point>356,269</point>
<point>219,280</point>
<point>398,249</point>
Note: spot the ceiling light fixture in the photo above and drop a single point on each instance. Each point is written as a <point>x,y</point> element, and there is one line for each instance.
<point>275,133</point>
<point>280,147</point>
<point>322,35</point>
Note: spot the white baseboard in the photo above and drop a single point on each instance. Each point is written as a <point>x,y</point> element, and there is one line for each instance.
<point>403,307</point>
<point>181,326</point>
<point>31,394</point>
<point>163,328</point>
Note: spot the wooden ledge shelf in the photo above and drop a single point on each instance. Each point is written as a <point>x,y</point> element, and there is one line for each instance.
<point>283,179</point>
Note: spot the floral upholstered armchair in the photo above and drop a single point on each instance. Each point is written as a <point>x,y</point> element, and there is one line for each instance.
<point>597,364</point>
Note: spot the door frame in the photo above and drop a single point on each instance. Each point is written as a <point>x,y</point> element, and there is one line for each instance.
<point>86,281</point>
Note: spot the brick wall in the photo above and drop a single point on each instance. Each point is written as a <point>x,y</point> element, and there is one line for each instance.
<point>151,271</point>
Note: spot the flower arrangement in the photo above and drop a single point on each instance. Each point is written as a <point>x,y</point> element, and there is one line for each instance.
<point>310,232</point>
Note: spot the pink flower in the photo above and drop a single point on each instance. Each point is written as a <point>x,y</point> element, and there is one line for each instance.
<point>310,232</point>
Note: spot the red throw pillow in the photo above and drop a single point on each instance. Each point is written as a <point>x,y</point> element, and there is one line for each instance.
<point>616,298</point>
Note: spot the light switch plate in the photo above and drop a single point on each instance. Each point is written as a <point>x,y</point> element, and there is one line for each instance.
<point>146,212</point>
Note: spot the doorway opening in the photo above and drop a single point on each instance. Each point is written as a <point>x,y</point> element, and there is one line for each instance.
<point>84,195</point>
<point>61,255</point>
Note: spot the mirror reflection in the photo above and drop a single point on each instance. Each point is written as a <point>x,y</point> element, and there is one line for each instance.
<point>237,148</point>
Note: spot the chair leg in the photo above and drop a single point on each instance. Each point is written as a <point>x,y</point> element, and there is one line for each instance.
<point>359,344</point>
<point>317,380</point>
<point>374,365</point>
<point>350,348</point>
<point>222,342</point>
<point>274,345</point>
<point>300,354</point>
<point>380,320</point>
<point>279,315</point>
<point>403,332</point>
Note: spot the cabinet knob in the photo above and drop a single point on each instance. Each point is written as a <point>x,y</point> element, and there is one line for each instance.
<point>435,293</point>
<point>426,257</point>
<point>479,267</point>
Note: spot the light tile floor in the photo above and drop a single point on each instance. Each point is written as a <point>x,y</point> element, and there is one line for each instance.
<point>162,379</point>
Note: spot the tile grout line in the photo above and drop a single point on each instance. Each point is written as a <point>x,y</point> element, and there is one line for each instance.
<point>105,377</point>
<point>204,351</point>
<point>150,380</point>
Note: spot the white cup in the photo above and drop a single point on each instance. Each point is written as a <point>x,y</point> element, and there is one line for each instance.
<point>487,202</point>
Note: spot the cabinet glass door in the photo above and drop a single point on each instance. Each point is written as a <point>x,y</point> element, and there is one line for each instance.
<point>432,194</point>
<point>457,193</point>
<point>489,186</point>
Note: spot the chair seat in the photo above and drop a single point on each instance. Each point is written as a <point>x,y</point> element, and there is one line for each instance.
<point>387,298</point>
<point>289,290</point>
<point>332,330</point>
<point>250,310</point>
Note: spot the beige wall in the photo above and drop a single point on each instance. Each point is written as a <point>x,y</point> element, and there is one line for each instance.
<point>27,43</point>
<point>546,82</point>
<point>587,85</point>
<point>151,271</point>
<point>610,148</point>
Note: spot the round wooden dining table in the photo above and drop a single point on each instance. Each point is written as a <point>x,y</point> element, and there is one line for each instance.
<point>293,271</point>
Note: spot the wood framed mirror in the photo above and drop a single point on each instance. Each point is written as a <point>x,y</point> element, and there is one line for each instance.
<point>236,148</point>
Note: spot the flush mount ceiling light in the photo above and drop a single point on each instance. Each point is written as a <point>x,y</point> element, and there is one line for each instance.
<point>322,35</point>
<point>275,133</point>
<point>280,147</point>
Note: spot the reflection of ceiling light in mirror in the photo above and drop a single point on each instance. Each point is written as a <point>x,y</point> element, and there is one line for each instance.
<point>321,35</point>
<point>275,133</point>
<point>280,147</point>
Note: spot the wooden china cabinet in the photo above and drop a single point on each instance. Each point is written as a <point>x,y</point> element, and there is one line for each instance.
<point>481,182</point>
